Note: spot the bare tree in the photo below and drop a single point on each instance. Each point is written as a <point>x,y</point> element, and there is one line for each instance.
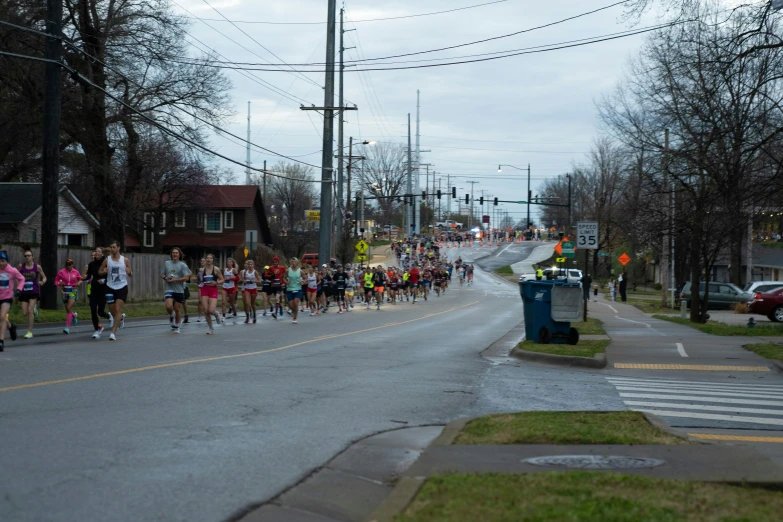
<point>385,174</point>
<point>290,194</point>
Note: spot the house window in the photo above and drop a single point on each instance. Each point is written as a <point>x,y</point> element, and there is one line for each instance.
<point>33,236</point>
<point>213,223</point>
<point>179,218</point>
<point>149,229</point>
<point>229,219</point>
<point>162,230</point>
<point>75,240</point>
<point>200,220</point>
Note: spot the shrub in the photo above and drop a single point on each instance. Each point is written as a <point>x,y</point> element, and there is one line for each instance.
<point>658,286</point>
<point>740,308</point>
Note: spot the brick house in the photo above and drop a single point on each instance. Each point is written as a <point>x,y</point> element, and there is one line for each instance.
<point>223,219</point>
<point>20,216</point>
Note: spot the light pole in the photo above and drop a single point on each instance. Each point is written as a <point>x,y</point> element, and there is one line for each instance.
<point>500,169</point>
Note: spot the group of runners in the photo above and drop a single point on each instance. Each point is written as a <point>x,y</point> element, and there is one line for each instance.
<point>273,290</point>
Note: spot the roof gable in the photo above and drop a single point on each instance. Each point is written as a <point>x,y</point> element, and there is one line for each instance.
<point>22,200</point>
<point>229,196</point>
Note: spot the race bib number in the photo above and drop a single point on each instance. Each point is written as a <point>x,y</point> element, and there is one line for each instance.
<point>276,282</point>
<point>4,283</point>
<point>208,278</point>
<point>168,294</point>
<point>28,286</point>
<point>67,289</point>
<point>109,298</point>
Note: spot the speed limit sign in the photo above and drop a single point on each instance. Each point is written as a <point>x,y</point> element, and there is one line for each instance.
<point>587,235</point>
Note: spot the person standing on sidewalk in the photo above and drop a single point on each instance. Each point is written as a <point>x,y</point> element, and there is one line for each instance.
<point>8,290</point>
<point>117,269</point>
<point>623,286</point>
<point>68,279</point>
<point>587,282</point>
<point>97,295</point>
<point>33,277</point>
<point>176,274</point>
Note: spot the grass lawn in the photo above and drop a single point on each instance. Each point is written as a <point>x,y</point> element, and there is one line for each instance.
<point>650,306</point>
<point>591,327</point>
<point>586,496</point>
<point>716,328</point>
<point>565,427</point>
<point>583,349</point>
<point>767,350</point>
<point>504,270</point>
<point>380,242</point>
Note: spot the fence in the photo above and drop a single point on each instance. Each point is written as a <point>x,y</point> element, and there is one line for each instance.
<point>145,285</point>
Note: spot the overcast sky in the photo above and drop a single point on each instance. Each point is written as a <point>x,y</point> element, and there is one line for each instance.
<point>535,108</point>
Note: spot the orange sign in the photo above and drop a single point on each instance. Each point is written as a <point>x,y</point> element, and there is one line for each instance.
<point>559,246</point>
<point>624,259</point>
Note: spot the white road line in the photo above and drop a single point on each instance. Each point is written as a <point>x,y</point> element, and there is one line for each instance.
<point>690,383</point>
<point>681,349</point>
<point>510,244</point>
<point>612,308</point>
<point>639,322</point>
<point>710,416</point>
<point>703,407</point>
<point>701,399</point>
<point>697,389</point>
<point>700,393</point>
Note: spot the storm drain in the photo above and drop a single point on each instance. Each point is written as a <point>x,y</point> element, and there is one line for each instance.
<point>593,462</point>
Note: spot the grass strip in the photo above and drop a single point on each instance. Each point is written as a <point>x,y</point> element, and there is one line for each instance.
<point>767,350</point>
<point>58,316</point>
<point>717,328</point>
<point>593,326</point>
<point>586,496</point>
<point>585,348</point>
<point>650,306</point>
<point>565,427</point>
<point>504,270</point>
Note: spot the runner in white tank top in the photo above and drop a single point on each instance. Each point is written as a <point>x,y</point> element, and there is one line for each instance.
<point>117,270</point>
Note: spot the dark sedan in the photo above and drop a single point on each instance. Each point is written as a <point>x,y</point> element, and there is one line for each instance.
<point>769,304</point>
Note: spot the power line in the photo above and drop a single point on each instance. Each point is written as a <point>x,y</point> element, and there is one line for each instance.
<point>369,19</point>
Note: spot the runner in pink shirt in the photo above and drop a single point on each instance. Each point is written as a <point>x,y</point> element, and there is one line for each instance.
<point>8,290</point>
<point>68,280</point>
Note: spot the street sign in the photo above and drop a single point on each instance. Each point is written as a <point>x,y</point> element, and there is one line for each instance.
<point>587,235</point>
<point>362,246</point>
<point>560,260</point>
<point>313,215</point>
<point>624,259</point>
<point>568,248</point>
<point>603,254</point>
<point>361,258</point>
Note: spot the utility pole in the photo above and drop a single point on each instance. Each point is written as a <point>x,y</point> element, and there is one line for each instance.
<point>340,151</point>
<point>51,151</point>
<point>264,181</point>
<point>568,230</point>
<point>350,159</point>
<point>409,211</point>
<point>247,149</point>
<point>470,210</point>
<point>325,231</point>
<point>529,194</point>
<point>448,189</point>
<point>418,163</point>
<point>665,247</point>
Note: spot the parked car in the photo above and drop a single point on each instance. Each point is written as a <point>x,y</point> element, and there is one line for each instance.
<point>762,287</point>
<point>722,295</point>
<point>768,303</point>
<point>570,275</point>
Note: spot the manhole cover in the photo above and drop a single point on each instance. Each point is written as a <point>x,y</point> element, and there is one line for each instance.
<point>593,462</point>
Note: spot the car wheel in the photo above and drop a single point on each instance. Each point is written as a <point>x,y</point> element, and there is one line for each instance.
<point>777,313</point>
<point>544,335</point>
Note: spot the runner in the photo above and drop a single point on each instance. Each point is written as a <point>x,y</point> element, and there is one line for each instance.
<point>33,278</point>
<point>426,281</point>
<point>413,281</point>
<point>68,279</point>
<point>250,279</point>
<point>200,285</point>
<point>117,268</point>
<point>469,271</point>
<point>97,294</point>
<point>293,281</point>
<point>312,288</point>
<point>350,285</point>
<point>327,284</point>
<point>176,274</point>
<point>394,284</point>
<point>278,274</point>
<point>379,280</point>
<point>230,276</point>
<point>266,289</point>
<point>340,280</point>
<point>211,279</point>
<point>8,290</point>
<point>369,286</point>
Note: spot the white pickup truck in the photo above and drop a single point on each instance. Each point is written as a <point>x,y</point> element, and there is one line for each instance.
<point>449,223</point>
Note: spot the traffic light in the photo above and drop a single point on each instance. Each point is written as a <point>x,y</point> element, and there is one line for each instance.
<point>438,193</point>
<point>481,201</point>
<point>405,200</point>
<point>496,202</point>
<point>467,199</point>
<point>453,192</point>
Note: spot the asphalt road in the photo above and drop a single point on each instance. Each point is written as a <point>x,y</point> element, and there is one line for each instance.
<point>159,426</point>
<point>493,258</point>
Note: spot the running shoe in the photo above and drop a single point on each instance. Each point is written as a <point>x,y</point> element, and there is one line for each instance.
<point>294,321</point>
<point>312,314</point>
<point>379,306</point>
<point>112,337</point>
<point>28,335</point>
<point>211,331</point>
<point>96,335</point>
<point>274,315</point>
<point>75,319</point>
<point>264,313</point>
<point>351,305</point>
<point>171,321</point>
<point>185,320</point>
<point>177,330</point>
<point>339,311</point>
<point>247,319</point>
<point>122,322</point>
<point>199,319</point>
<point>12,331</point>
<point>254,318</point>
<point>66,330</point>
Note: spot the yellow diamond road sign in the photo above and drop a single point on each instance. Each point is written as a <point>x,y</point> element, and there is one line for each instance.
<point>560,260</point>
<point>362,246</point>
<point>361,258</point>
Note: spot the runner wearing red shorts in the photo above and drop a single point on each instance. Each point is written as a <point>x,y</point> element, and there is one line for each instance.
<point>211,278</point>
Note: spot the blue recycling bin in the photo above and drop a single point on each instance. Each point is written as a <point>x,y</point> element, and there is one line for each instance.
<point>542,324</point>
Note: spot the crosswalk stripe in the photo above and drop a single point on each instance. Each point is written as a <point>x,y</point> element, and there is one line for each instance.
<point>655,382</point>
<point>710,416</point>
<point>690,367</point>
<point>703,407</point>
<point>704,392</point>
<point>696,398</point>
<point>697,389</point>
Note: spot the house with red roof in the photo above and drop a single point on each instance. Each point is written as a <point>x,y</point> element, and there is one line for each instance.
<point>221,219</point>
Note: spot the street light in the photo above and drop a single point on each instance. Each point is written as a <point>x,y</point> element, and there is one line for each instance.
<point>500,169</point>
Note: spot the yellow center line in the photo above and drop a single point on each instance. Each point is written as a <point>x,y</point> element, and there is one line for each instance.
<point>223,357</point>
<point>696,367</point>
<point>741,438</point>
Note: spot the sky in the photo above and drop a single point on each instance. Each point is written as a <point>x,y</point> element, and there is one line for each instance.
<point>536,109</point>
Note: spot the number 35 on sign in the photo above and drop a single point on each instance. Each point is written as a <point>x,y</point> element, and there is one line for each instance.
<point>587,235</point>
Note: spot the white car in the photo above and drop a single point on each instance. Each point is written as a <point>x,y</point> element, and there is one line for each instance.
<point>570,275</point>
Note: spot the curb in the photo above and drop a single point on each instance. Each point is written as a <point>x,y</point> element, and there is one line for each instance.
<point>777,364</point>
<point>395,503</point>
<point>659,423</point>
<point>597,361</point>
<point>452,429</point>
